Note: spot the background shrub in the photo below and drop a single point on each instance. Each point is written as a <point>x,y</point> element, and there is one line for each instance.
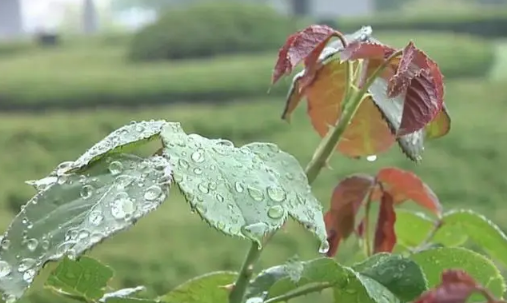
<point>485,23</point>
<point>209,29</point>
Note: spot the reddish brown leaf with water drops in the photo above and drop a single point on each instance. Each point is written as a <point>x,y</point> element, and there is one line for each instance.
<point>420,78</point>
<point>385,236</point>
<point>347,198</point>
<point>404,185</point>
<point>298,47</point>
<point>456,287</point>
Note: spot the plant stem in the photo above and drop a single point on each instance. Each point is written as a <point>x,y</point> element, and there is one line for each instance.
<point>301,292</point>
<point>245,274</point>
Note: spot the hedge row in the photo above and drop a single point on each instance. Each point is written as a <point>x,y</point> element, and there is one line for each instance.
<point>211,28</point>
<point>485,23</point>
<point>101,76</point>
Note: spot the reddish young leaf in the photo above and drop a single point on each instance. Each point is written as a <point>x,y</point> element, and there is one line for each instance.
<point>347,198</point>
<point>456,287</point>
<point>294,97</point>
<point>385,237</point>
<point>298,46</point>
<point>405,185</point>
<point>421,79</point>
<point>366,50</point>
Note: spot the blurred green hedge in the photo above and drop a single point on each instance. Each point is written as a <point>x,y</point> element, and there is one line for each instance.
<point>209,29</point>
<point>485,23</point>
<point>84,77</point>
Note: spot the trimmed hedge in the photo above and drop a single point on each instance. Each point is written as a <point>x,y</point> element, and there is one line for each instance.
<point>484,23</point>
<point>81,77</point>
<point>209,29</point>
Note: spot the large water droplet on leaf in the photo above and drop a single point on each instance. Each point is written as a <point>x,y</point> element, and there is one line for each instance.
<point>324,247</point>
<point>115,168</point>
<point>255,193</point>
<point>5,269</point>
<point>371,158</point>
<point>276,194</point>
<point>276,212</point>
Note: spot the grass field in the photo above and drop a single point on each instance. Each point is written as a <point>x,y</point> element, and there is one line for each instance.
<point>172,245</point>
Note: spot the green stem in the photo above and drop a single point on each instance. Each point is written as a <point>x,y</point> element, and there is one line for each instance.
<point>298,293</point>
<point>245,274</point>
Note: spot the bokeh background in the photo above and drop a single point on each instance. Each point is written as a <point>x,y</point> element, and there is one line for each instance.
<point>73,71</point>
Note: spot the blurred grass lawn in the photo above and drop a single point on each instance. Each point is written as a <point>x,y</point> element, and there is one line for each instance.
<point>171,245</point>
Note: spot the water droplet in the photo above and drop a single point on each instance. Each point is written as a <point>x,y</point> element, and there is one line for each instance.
<point>371,158</point>
<point>71,234</point>
<point>219,198</point>
<point>83,234</point>
<point>197,171</point>
<point>95,217</point>
<point>62,179</point>
<point>32,244</point>
<point>44,244</point>
<point>221,225</point>
<point>201,208</point>
<point>5,244</point>
<point>63,167</point>
<point>239,187</point>
<point>276,212</point>
<point>324,247</point>
<point>122,206</point>
<point>5,269</point>
<point>115,168</point>
<point>414,139</point>
<point>276,194</point>
<point>197,156</point>
<point>26,264</point>
<point>183,163</point>
<point>255,193</point>
<point>152,193</point>
<point>29,275</point>
<point>203,187</point>
<point>9,298</point>
<point>86,191</point>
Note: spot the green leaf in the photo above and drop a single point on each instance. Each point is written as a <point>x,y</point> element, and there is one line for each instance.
<point>363,289</point>
<point>127,300</point>
<point>264,280</point>
<point>434,261</point>
<point>245,192</point>
<point>400,275</point>
<point>78,211</point>
<point>412,228</point>
<point>480,230</point>
<point>86,278</point>
<point>203,289</point>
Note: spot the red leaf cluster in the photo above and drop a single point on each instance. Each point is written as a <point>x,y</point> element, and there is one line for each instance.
<point>411,74</point>
<point>456,287</point>
<point>391,186</point>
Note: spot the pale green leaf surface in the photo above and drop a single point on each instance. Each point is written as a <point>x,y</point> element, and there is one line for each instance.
<point>412,228</point>
<point>203,289</point>
<point>78,211</point>
<point>480,230</point>
<point>361,288</point>
<point>434,261</point>
<point>392,109</point>
<point>85,278</point>
<point>400,275</point>
<point>238,191</point>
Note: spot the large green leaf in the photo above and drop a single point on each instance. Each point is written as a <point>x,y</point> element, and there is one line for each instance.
<point>208,288</point>
<point>264,280</point>
<point>247,191</point>
<point>86,278</point>
<point>412,228</point>
<point>434,261</point>
<point>480,230</point>
<point>78,206</point>
<point>402,276</point>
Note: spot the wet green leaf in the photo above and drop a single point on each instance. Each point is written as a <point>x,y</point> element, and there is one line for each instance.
<point>86,278</point>
<point>77,211</point>
<point>434,261</point>
<point>128,300</point>
<point>412,228</point>
<point>247,191</point>
<point>264,280</point>
<point>480,230</point>
<point>363,289</point>
<point>204,289</point>
<point>400,275</point>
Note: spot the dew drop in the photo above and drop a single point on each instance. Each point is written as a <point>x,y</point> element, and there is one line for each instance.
<point>255,193</point>
<point>276,212</point>
<point>32,244</point>
<point>152,193</point>
<point>44,244</point>
<point>201,208</point>
<point>197,171</point>
<point>203,187</point>
<point>122,206</point>
<point>5,244</point>
<point>219,198</point>
<point>5,269</point>
<point>371,158</point>
<point>83,234</point>
<point>95,217</point>
<point>324,247</point>
<point>183,163</point>
<point>115,168</point>
<point>276,194</point>
<point>239,187</point>
<point>86,191</point>
<point>26,264</point>
<point>29,275</point>
<point>197,156</point>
